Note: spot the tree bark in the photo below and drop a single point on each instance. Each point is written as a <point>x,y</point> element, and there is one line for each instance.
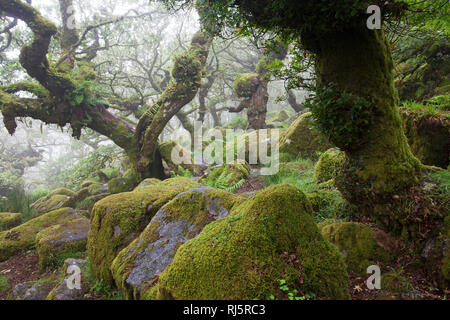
<point>380,166</point>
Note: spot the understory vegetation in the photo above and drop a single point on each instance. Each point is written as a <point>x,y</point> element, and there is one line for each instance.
<point>236,150</point>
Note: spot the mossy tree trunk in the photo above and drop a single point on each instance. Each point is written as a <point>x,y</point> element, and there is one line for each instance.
<point>253,88</point>
<point>362,117</point>
<point>356,102</point>
<point>185,83</point>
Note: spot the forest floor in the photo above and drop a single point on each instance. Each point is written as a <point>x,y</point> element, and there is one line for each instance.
<point>24,268</point>
<point>412,283</point>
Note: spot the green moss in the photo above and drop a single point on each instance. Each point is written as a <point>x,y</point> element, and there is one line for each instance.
<point>328,164</point>
<point>192,210</point>
<point>227,176</point>
<point>343,117</point>
<point>394,286</point>
<point>282,116</point>
<point>328,204</point>
<point>428,133</point>
<point>247,250</point>
<point>88,203</point>
<point>5,284</point>
<point>60,242</point>
<point>87,183</point>
<point>147,182</point>
<point>166,149</point>
<point>9,220</point>
<point>53,201</point>
<point>62,191</point>
<point>94,187</point>
<point>245,84</point>
<point>119,185</point>
<point>329,184</point>
<point>23,237</point>
<point>303,139</point>
<point>361,245</point>
<point>119,219</point>
<point>379,161</point>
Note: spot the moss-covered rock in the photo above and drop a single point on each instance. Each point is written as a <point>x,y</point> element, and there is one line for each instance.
<point>62,241</point>
<point>328,164</point>
<point>87,183</point>
<point>54,200</point>
<point>95,188</point>
<point>147,182</point>
<point>23,237</point>
<point>304,139</point>
<point>33,290</point>
<point>328,204</point>
<point>9,220</point>
<point>119,185</point>
<point>61,290</point>
<point>269,237</point>
<point>88,203</point>
<point>361,245</point>
<point>135,268</point>
<point>429,136</point>
<point>62,191</point>
<point>86,197</point>
<point>119,219</point>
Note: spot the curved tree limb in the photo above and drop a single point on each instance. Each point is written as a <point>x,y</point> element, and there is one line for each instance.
<point>184,85</point>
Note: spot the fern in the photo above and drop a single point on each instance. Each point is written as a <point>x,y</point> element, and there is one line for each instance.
<point>222,181</point>
<point>151,112</point>
<point>184,173</point>
<point>235,186</point>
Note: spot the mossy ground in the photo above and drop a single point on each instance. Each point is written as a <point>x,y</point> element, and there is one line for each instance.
<point>326,200</point>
